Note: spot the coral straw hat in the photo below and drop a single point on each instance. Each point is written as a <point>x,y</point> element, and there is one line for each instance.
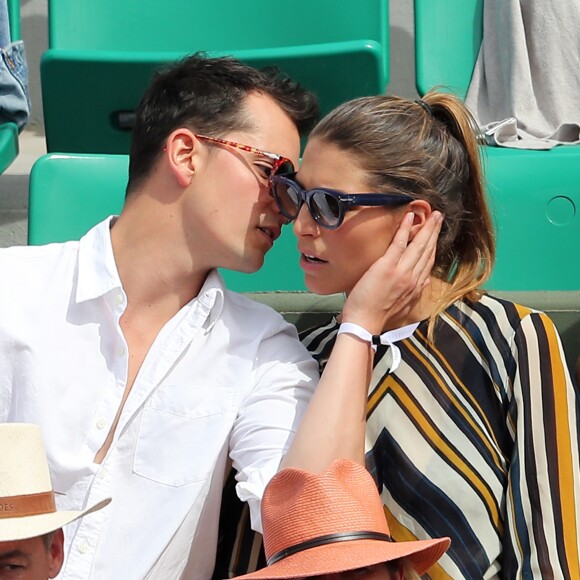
<point>330,523</point>
<point>27,507</point>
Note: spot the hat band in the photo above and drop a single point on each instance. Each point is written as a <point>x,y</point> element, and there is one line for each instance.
<point>34,504</point>
<point>323,540</point>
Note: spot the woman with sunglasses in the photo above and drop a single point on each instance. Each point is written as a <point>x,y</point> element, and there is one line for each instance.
<point>472,418</point>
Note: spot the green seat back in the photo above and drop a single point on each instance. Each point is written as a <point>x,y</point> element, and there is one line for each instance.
<point>534,195</point>
<point>105,52</point>
<point>68,195</point>
<point>447,39</point>
<point>8,145</point>
<point>14,16</point>
<point>142,26</point>
<point>535,202</point>
<point>71,193</point>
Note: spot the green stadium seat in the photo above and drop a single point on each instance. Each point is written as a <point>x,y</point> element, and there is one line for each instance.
<point>102,54</point>
<point>68,194</point>
<point>535,195</point>
<point>9,146</point>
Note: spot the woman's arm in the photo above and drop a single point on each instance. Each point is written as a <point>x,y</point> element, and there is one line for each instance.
<point>334,424</point>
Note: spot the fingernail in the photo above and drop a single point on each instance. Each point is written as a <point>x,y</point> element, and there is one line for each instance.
<point>410,217</point>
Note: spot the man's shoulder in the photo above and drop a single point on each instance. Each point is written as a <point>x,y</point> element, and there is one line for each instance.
<point>32,274</point>
<point>245,308</point>
<point>34,259</point>
<point>256,321</point>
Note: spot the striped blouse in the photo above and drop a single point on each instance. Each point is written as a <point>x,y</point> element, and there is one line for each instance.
<point>476,436</point>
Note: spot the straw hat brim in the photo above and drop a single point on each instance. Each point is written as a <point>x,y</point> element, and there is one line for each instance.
<point>22,528</point>
<point>343,556</point>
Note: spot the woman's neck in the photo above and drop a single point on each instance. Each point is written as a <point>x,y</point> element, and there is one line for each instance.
<point>425,305</point>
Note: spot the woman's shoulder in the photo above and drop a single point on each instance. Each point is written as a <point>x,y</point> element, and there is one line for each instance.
<point>489,305</point>
<point>496,317</point>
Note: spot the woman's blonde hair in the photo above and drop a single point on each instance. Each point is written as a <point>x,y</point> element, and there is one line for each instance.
<point>430,150</point>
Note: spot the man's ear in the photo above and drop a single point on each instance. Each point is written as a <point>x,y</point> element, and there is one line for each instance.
<point>182,153</point>
<point>421,211</point>
<point>56,553</point>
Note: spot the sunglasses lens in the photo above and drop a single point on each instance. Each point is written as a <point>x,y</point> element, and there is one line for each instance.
<point>287,199</point>
<point>325,209</point>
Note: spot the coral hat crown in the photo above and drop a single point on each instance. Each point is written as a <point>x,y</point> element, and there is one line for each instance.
<point>301,506</point>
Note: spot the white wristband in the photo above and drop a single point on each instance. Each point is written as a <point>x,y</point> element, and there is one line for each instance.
<point>362,333</point>
<point>387,338</point>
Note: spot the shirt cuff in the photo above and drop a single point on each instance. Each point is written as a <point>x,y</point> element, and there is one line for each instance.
<point>251,490</point>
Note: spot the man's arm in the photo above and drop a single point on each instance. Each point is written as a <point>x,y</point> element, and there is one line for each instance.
<point>283,380</point>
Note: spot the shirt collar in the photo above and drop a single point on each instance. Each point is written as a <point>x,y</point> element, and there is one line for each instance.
<point>98,275</point>
<point>97,271</point>
<point>211,298</point>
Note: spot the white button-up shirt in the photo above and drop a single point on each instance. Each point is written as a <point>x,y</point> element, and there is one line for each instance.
<point>225,376</point>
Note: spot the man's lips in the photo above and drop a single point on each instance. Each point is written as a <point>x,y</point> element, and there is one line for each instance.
<point>273,232</point>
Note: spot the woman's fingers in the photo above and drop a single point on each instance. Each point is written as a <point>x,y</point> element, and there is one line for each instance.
<point>420,250</point>
<point>400,240</point>
<point>426,260</point>
<point>409,263</point>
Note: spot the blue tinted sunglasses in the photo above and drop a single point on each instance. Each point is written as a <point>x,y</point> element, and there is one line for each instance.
<point>326,206</point>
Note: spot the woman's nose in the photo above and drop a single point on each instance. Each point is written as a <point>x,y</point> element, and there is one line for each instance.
<point>304,224</point>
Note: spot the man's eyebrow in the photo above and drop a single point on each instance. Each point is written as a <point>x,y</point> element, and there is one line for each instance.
<point>13,554</point>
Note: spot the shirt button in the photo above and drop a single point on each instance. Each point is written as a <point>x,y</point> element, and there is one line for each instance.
<point>119,299</point>
<point>121,351</point>
<point>101,424</point>
<point>83,547</point>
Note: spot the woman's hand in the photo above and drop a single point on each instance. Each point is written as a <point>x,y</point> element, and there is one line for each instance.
<point>394,284</point>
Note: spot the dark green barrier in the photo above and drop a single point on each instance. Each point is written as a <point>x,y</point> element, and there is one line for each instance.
<point>306,310</point>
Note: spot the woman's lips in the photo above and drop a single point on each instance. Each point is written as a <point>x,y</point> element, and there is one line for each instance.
<point>311,262</point>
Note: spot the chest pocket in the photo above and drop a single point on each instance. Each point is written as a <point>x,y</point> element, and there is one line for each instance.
<point>179,444</point>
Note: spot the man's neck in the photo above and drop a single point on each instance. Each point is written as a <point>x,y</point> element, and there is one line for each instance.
<point>156,269</point>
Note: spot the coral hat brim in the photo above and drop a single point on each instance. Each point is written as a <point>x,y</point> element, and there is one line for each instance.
<point>343,556</point>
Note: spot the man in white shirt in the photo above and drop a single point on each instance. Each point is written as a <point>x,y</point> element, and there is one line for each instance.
<point>142,370</point>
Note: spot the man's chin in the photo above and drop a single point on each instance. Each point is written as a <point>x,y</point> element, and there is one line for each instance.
<point>249,267</point>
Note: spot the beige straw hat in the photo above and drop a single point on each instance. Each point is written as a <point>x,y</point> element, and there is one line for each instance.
<point>27,506</point>
<point>331,523</point>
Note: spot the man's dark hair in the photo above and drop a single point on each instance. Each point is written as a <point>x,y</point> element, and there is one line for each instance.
<point>207,95</point>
